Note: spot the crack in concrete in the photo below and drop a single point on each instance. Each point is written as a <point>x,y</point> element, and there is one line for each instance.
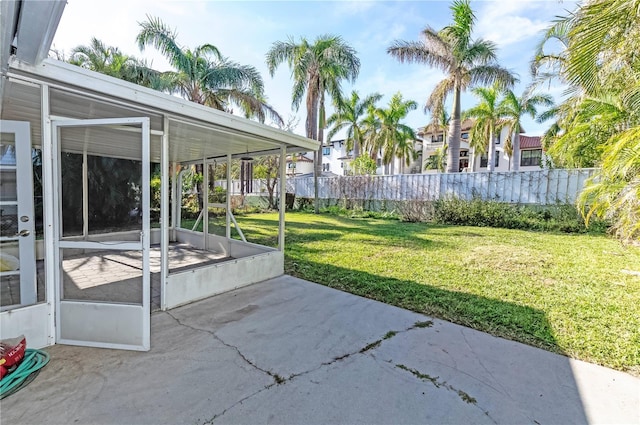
<point>363,350</point>
<point>443,384</point>
<point>242,400</point>
<point>464,337</point>
<point>278,380</point>
<point>504,390</point>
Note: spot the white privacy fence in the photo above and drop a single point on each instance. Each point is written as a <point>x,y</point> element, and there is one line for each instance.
<point>541,187</point>
<point>524,187</point>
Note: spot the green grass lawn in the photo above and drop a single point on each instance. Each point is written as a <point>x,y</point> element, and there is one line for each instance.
<point>573,294</point>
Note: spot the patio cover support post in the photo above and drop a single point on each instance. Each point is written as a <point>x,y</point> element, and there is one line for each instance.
<point>85,193</point>
<point>51,219</point>
<point>228,197</point>
<point>205,203</point>
<point>283,191</point>
<point>164,212</point>
<point>174,200</point>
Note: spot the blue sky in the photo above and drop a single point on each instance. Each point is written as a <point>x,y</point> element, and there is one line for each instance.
<point>244,31</point>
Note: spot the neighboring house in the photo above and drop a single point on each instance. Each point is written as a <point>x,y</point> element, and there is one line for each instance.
<point>299,164</point>
<point>531,154</point>
<point>336,160</point>
<point>434,140</point>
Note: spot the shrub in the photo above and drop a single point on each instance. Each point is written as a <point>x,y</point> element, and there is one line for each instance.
<point>477,212</point>
<point>414,211</point>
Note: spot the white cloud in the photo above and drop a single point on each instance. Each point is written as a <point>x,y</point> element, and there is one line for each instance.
<point>351,8</point>
<point>509,22</point>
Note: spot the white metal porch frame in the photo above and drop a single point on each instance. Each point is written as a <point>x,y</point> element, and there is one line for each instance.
<point>30,317</point>
<point>102,324</point>
<point>190,127</point>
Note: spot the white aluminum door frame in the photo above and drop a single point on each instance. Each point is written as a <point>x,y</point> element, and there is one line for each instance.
<point>104,324</point>
<point>24,204</point>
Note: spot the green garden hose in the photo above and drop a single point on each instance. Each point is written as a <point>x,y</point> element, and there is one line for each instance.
<point>34,360</point>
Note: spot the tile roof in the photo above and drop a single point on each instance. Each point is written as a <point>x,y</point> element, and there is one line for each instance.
<point>299,158</point>
<point>530,142</point>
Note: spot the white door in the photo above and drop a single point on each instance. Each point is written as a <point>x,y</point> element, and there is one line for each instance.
<point>17,230</point>
<point>103,287</point>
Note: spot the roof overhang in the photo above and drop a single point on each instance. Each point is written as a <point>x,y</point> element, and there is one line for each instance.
<point>27,28</point>
<point>195,131</point>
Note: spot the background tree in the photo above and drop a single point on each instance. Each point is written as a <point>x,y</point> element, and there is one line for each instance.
<point>437,161</point>
<point>204,76</point>
<point>370,126</point>
<point>466,63</point>
<point>268,167</point>
<point>348,115</point>
<point>363,165</point>
<point>487,124</point>
<point>109,60</point>
<point>316,69</point>
<point>395,138</point>
<point>439,124</point>
<point>512,109</point>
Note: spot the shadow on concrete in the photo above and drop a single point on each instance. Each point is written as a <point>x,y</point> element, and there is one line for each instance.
<point>291,351</point>
<point>504,319</point>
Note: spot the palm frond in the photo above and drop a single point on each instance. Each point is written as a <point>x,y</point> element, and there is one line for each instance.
<point>416,52</point>
<point>486,75</point>
<point>160,36</point>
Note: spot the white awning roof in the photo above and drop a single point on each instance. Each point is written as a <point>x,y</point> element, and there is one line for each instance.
<point>195,131</point>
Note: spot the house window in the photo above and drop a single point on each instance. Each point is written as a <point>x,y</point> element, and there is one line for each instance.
<point>325,167</point>
<point>465,136</point>
<point>326,151</point>
<point>498,139</point>
<point>484,160</point>
<point>342,165</point>
<point>464,154</point>
<point>291,165</point>
<point>379,162</point>
<point>531,157</point>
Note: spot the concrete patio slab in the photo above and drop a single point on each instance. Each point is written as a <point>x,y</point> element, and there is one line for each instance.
<point>290,351</point>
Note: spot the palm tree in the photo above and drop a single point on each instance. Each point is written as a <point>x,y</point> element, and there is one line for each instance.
<point>204,76</point>
<point>437,161</point>
<point>465,62</point>
<point>439,124</point>
<point>488,120</point>
<point>512,108</point>
<point>109,60</point>
<point>395,138</point>
<point>348,116</point>
<point>600,123</point>
<point>370,126</point>
<point>614,193</point>
<point>316,69</point>
<point>546,65</point>
<point>597,27</point>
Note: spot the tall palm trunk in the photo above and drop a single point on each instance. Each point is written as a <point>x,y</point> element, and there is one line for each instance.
<point>356,144</point>
<point>318,168</point>
<point>492,151</point>
<point>472,164</point>
<point>516,150</point>
<point>312,133</point>
<point>453,156</point>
